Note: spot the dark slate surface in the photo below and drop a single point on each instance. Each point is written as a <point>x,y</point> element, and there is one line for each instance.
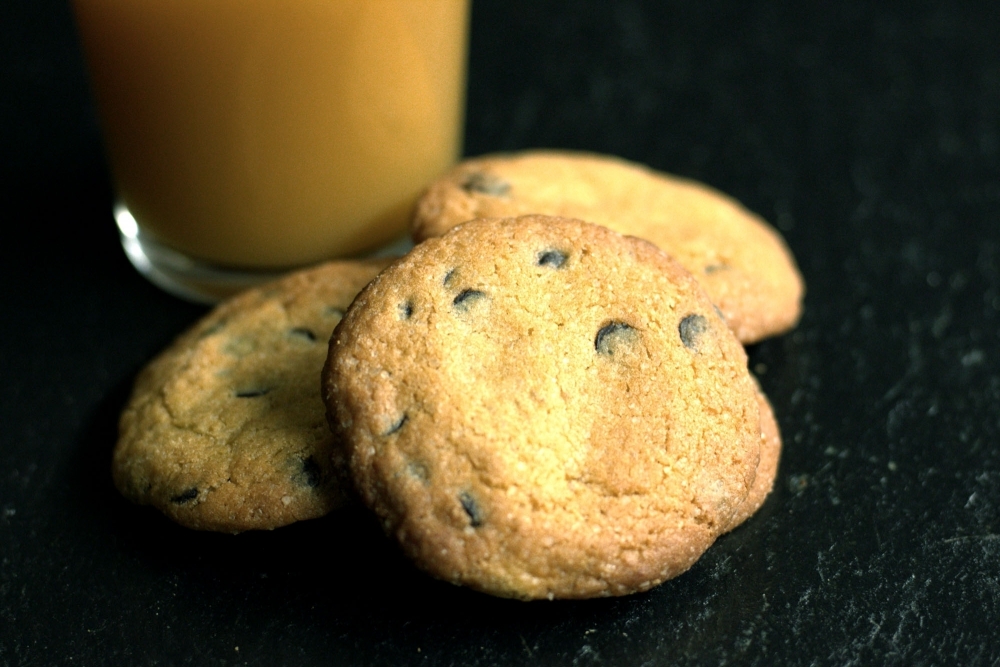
<point>868,132</point>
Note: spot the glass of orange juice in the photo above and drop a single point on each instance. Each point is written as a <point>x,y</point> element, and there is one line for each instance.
<point>250,137</point>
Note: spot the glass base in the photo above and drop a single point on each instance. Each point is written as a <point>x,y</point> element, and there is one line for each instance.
<point>178,274</point>
<point>192,279</point>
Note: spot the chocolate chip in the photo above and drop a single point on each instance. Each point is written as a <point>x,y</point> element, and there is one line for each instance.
<point>714,268</point>
<point>466,298</point>
<point>252,393</point>
<point>553,258</point>
<point>398,425</point>
<point>471,508</point>
<point>406,310</point>
<point>691,329</point>
<point>185,497</point>
<point>612,335</point>
<point>486,184</point>
<point>311,475</point>
<point>302,332</point>
<point>448,276</point>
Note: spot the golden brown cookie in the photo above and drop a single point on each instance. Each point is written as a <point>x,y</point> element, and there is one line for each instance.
<point>225,429</point>
<point>767,468</point>
<point>740,260</point>
<point>542,407</point>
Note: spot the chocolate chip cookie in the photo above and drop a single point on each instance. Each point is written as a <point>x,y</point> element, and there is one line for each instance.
<point>767,468</point>
<point>225,430</point>
<point>741,261</point>
<point>541,407</point>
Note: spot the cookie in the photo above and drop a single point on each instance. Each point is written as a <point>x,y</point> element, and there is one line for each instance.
<point>544,408</point>
<point>225,430</point>
<point>767,467</point>
<point>741,261</point>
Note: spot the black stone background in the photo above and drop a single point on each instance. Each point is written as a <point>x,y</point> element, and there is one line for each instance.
<point>868,132</point>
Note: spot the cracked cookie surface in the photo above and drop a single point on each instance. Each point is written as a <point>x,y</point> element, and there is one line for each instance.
<point>542,407</point>
<point>225,430</point>
<point>741,261</point>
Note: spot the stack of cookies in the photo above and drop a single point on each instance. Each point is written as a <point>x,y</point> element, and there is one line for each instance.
<point>532,403</point>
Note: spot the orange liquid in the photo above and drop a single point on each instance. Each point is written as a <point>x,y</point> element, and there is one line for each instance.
<point>276,133</point>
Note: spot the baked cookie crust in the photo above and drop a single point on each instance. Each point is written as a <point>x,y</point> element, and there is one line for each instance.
<point>225,430</point>
<point>544,408</point>
<point>740,260</point>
